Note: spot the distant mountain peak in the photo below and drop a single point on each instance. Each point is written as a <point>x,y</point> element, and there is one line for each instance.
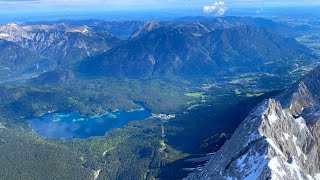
<point>82,29</point>
<point>147,27</point>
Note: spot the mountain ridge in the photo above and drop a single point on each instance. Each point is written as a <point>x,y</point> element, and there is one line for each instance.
<point>64,43</point>
<point>16,61</point>
<point>168,50</point>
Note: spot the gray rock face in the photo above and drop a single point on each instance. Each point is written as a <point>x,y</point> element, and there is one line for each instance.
<point>279,140</point>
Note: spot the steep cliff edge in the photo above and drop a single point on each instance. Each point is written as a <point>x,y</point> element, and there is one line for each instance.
<point>279,140</point>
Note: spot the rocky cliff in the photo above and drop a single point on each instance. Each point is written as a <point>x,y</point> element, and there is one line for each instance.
<point>278,140</point>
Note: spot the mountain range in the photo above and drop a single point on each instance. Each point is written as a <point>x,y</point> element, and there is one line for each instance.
<point>168,50</point>
<point>64,43</point>
<point>186,47</point>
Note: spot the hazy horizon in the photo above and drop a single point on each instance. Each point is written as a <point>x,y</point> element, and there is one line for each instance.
<point>34,6</point>
<point>21,12</point>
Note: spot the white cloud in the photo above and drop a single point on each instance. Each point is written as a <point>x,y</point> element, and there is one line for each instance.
<point>217,9</point>
<point>259,11</point>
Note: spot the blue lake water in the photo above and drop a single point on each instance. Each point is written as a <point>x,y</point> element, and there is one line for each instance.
<point>74,125</point>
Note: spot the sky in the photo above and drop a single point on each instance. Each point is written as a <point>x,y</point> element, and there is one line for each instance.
<point>147,3</point>
<point>24,10</point>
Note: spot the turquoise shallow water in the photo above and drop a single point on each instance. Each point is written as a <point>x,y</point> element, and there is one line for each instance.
<point>74,125</point>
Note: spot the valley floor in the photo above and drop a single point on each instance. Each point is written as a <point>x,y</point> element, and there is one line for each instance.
<point>186,113</point>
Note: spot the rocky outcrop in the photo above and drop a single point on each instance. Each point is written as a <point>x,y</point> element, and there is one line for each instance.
<point>145,28</point>
<point>278,140</point>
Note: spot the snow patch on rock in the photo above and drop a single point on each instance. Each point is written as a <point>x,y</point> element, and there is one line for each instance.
<point>96,174</point>
<point>301,123</point>
<point>286,136</point>
<point>273,118</point>
<point>276,167</point>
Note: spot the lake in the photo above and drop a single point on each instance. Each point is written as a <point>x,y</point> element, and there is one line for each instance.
<point>74,125</point>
